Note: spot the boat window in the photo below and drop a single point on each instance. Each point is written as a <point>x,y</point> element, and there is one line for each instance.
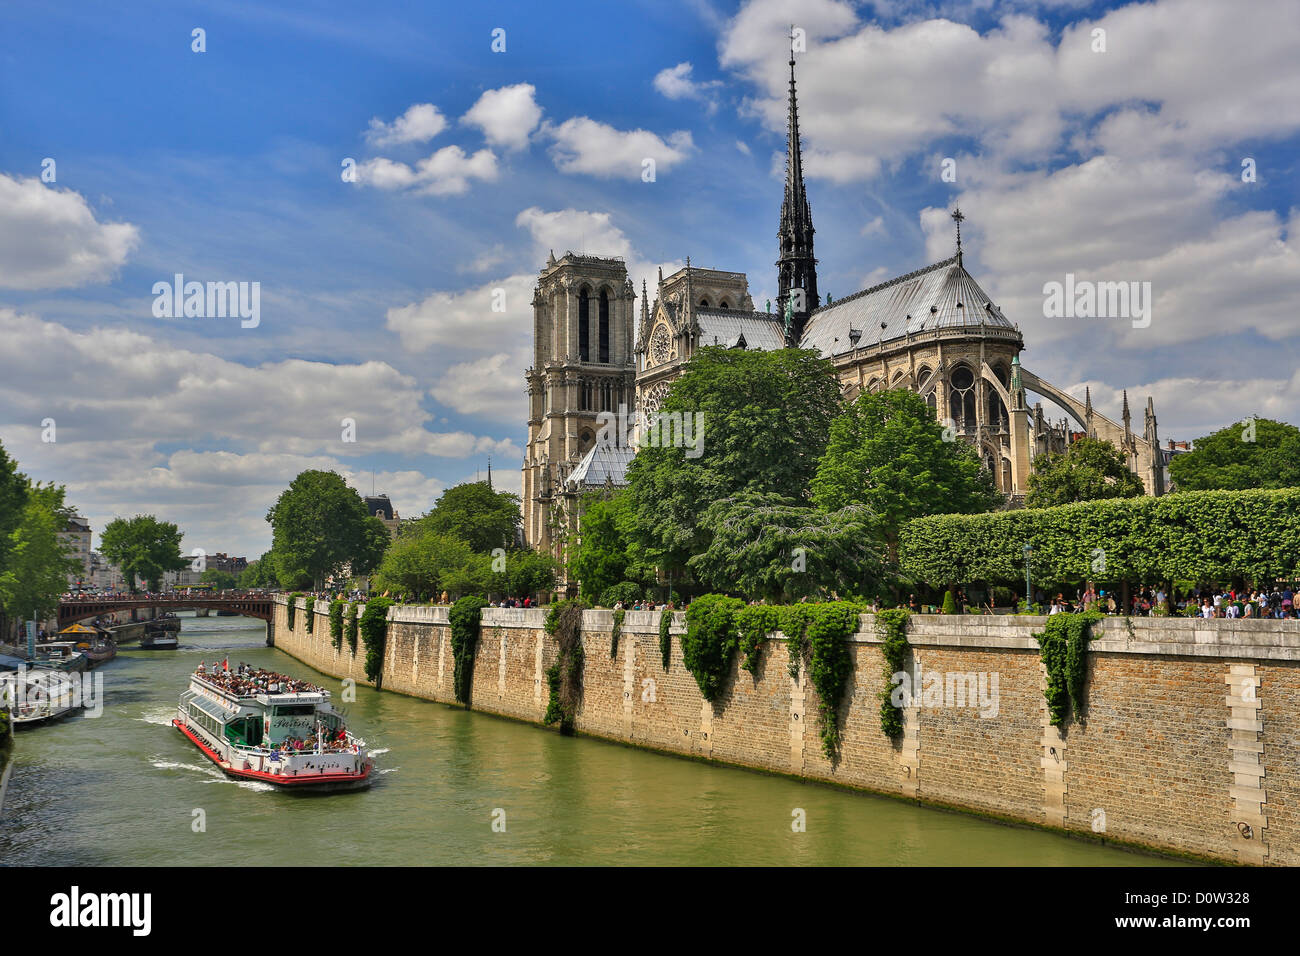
<point>295,710</point>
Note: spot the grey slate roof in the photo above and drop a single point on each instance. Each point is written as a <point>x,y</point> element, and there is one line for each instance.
<point>760,329</point>
<point>920,301</point>
<point>601,463</point>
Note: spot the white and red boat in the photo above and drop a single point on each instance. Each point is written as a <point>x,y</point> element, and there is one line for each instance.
<point>258,725</point>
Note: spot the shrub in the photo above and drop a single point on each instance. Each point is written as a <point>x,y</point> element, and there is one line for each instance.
<point>336,622</point>
<point>627,592</point>
<point>1064,649</point>
<point>709,644</point>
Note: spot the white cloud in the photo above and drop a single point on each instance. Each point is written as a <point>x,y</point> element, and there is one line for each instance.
<point>466,319</point>
<point>419,124</point>
<point>447,172</point>
<point>507,116</point>
<point>491,387</point>
<point>49,238</point>
<point>676,83</point>
<point>582,145</point>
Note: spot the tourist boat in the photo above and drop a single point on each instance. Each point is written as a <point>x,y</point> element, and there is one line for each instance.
<point>254,727</point>
<point>158,641</point>
<point>60,656</point>
<point>37,695</point>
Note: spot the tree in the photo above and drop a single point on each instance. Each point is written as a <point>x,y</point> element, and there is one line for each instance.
<point>421,565</point>
<point>761,424</point>
<point>144,548</point>
<point>781,549</point>
<point>483,518</point>
<point>527,572</point>
<point>319,525</point>
<point>886,451</point>
<point>1254,453</point>
<point>37,567</point>
<point>259,573</point>
<point>607,552</point>
<point>1089,470</point>
<point>222,580</point>
<point>13,498</point>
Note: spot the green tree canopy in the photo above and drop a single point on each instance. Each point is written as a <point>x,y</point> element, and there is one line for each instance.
<point>259,573</point>
<point>887,451</point>
<point>144,548</point>
<point>319,525</point>
<point>526,573</point>
<point>37,565</point>
<point>607,552</point>
<point>765,420</point>
<point>423,564</point>
<point>483,518</point>
<point>13,497</point>
<point>768,546</point>
<point>1255,453</point>
<point>222,580</point>
<point>1088,470</point>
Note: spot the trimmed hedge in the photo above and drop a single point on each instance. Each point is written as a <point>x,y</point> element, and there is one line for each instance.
<point>1187,536</point>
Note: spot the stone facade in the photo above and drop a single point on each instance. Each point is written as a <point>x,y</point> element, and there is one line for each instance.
<point>1185,743</point>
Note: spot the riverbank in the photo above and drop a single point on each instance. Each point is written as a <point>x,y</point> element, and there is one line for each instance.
<point>1185,720</point>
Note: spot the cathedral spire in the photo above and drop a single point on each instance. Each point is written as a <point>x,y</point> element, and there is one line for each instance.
<point>797,266</point>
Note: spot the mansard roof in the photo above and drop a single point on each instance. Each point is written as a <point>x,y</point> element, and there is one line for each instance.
<point>940,296</point>
<point>758,330</point>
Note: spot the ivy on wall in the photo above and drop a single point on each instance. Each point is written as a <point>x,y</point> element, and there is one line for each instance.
<point>350,627</point>
<point>310,612</point>
<point>665,638</point>
<point>292,609</point>
<point>754,623</point>
<point>564,677</point>
<point>1064,651</point>
<point>615,633</point>
<point>830,663</point>
<point>710,642</point>
<point>464,616</point>
<point>374,635</point>
<point>891,628</point>
<point>336,622</point>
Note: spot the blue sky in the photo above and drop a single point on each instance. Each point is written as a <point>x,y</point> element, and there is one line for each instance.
<point>225,165</point>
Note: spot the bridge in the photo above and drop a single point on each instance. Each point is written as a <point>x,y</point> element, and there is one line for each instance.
<point>78,609</point>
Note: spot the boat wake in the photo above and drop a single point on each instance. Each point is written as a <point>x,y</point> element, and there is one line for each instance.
<point>214,775</point>
<point>387,770</point>
<point>163,718</point>
<point>381,750</point>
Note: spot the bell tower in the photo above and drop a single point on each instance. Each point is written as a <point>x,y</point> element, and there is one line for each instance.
<point>583,364</point>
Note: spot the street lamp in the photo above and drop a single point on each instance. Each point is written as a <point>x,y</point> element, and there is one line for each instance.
<point>1028,595</point>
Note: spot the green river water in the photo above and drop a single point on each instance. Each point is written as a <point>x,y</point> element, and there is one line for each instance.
<point>123,789</point>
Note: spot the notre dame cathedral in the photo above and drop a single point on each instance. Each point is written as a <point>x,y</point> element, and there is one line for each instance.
<point>934,331</point>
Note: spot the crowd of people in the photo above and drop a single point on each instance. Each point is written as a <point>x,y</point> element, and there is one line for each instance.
<point>247,681</point>
<point>1276,602</point>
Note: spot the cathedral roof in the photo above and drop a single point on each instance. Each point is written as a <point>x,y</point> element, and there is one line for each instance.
<point>605,462</point>
<point>940,296</point>
<point>759,330</point>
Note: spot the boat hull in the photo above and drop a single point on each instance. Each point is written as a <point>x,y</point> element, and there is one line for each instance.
<point>301,783</point>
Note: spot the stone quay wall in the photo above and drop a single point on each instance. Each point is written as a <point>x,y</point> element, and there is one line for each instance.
<point>1187,741</point>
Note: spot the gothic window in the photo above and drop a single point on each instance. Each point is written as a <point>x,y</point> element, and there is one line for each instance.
<point>584,325</point>
<point>995,414</point>
<point>1006,476</point>
<point>660,346</point>
<point>704,303</point>
<point>961,398</point>
<point>723,304</point>
<point>604,326</point>
<point>1000,371</point>
<point>931,401</point>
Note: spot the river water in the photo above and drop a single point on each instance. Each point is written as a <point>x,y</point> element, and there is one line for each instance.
<point>126,789</point>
